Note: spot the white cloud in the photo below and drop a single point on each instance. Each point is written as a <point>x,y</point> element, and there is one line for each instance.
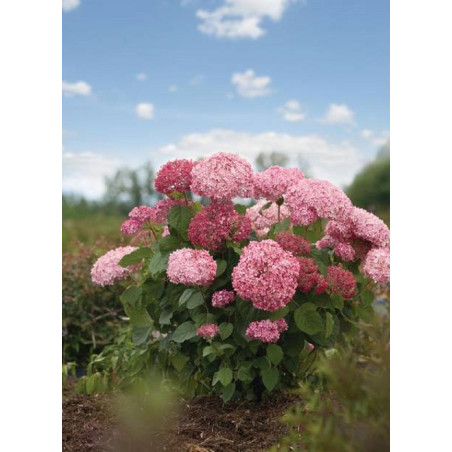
<point>366,133</point>
<point>236,19</point>
<point>79,88</point>
<point>173,88</point>
<point>84,173</point>
<point>336,162</point>
<point>291,111</point>
<point>69,5</point>
<point>339,114</point>
<point>141,77</point>
<point>145,110</point>
<point>197,80</point>
<point>249,85</point>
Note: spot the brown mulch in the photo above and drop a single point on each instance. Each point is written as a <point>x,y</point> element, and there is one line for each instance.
<point>203,424</point>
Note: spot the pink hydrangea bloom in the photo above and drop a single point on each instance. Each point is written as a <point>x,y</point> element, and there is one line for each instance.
<point>262,220</point>
<point>369,227</point>
<point>377,265</point>
<point>266,275</point>
<point>165,231</point>
<point>174,176</point>
<point>208,330</point>
<point>222,298</point>
<point>273,183</point>
<point>216,224</point>
<point>345,252</point>
<point>191,267</point>
<point>131,226</point>
<point>160,210</point>
<point>309,277</point>
<point>293,243</point>
<point>264,330</point>
<point>341,281</point>
<point>141,213</point>
<point>311,199</point>
<point>310,346</point>
<point>281,324</point>
<point>106,270</point>
<point>223,177</point>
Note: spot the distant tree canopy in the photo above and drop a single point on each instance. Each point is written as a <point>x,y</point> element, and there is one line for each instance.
<point>266,159</point>
<point>371,187</point>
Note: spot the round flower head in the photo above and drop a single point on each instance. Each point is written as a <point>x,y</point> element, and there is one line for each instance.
<point>311,199</point>
<point>131,226</point>
<point>141,213</point>
<point>216,224</point>
<point>369,227</point>
<point>309,277</point>
<point>345,252</point>
<point>341,281</point>
<point>293,243</point>
<point>377,265</point>
<point>263,219</point>
<point>273,183</point>
<point>160,210</point>
<point>281,324</point>
<point>222,298</point>
<point>266,275</point>
<point>264,330</point>
<point>223,177</point>
<point>191,267</point>
<point>174,176</point>
<point>106,270</point>
<point>208,330</point>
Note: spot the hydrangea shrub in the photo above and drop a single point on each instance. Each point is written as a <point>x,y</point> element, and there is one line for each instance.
<point>238,298</point>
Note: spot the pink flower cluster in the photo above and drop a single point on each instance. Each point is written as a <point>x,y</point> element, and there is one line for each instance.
<point>222,298</point>
<point>106,270</point>
<point>174,176</point>
<point>266,330</point>
<point>293,243</point>
<point>191,267</point>
<point>341,282</point>
<point>345,252</point>
<point>311,199</point>
<point>310,278</point>
<point>377,265</point>
<point>208,330</point>
<point>266,275</point>
<point>222,177</point>
<point>263,219</point>
<point>216,224</point>
<point>273,183</point>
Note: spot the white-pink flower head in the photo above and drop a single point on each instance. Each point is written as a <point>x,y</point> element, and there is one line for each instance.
<point>191,267</point>
<point>369,227</point>
<point>265,330</point>
<point>262,220</point>
<point>106,270</point>
<point>377,265</point>
<point>208,330</point>
<point>223,177</point>
<point>311,199</point>
<point>222,298</point>
<point>273,183</point>
<point>266,275</point>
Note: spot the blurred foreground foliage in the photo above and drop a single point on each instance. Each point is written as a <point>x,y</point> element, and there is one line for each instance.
<point>346,407</point>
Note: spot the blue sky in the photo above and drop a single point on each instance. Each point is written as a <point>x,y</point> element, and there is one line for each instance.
<point>161,79</point>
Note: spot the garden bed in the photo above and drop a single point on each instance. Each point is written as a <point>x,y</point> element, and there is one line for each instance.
<point>204,424</point>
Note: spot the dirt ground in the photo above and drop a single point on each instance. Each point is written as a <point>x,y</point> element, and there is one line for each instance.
<point>203,424</point>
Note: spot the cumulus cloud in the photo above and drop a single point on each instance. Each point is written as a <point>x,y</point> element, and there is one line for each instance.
<point>366,133</point>
<point>238,19</point>
<point>339,114</point>
<point>337,162</point>
<point>69,5</point>
<point>79,88</point>
<point>291,111</point>
<point>249,85</point>
<point>377,139</point>
<point>141,77</point>
<point>83,173</point>
<point>145,110</point>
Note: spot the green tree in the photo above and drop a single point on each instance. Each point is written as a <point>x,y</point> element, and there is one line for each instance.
<point>266,159</point>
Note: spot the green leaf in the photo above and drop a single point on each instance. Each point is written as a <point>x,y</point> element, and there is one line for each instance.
<point>280,313</point>
<point>135,257</point>
<point>367,297</point>
<point>132,296</point>
<point>165,316</point>
<point>209,350</point>
<point>169,244</point>
<point>308,319</point>
<point>265,207</point>
<point>240,208</point>
<point>184,332</point>
<point>179,361</point>
<point>154,288</point>
<point>282,226</point>
<point>329,325</point>
<point>226,330</point>
<point>221,267</point>
<point>192,297</point>
<point>224,376</point>
<point>179,218</point>
<point>158,263</point>
<point>337,301</point>
<point>140,334</point>
<point>228,392</point>
<point>244,373</point>
<point>275,353</point>
<point>270,377</point>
